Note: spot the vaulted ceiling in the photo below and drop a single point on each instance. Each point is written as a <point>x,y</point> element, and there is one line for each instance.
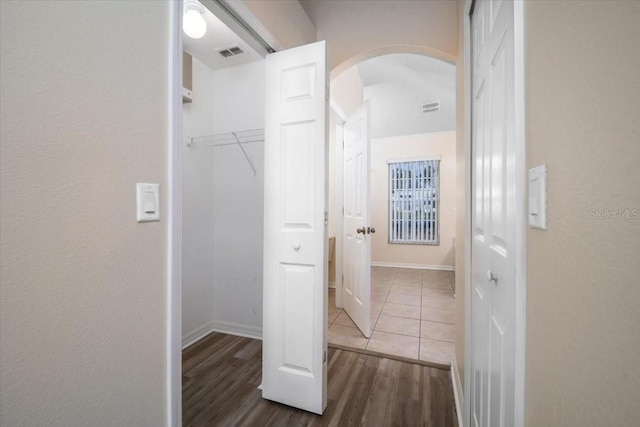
<point>397,85</point>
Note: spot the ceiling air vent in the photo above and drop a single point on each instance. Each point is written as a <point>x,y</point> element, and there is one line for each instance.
<point>232,51</point>
<point>429,107</point>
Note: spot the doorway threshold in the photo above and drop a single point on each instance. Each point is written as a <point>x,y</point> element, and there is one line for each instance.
<point>391,356</point>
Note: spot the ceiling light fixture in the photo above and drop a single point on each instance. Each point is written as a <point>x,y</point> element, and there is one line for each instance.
<point>193,23</point>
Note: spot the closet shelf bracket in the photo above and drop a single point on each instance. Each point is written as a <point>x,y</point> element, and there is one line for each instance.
<point>239,138</point>
<point>245,153</point>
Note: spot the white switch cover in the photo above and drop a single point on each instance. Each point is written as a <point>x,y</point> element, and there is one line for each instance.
<point>148,202</point>
<point>538,197</point>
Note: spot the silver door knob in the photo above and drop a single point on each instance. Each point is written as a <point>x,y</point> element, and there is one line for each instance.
<point>492,277</point>
<point>361,230</point>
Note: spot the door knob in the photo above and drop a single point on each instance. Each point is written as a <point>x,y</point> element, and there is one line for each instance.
<point>371,230</point>
<point>491,277</point>
<point>361,230</point>
<point>296,246</point>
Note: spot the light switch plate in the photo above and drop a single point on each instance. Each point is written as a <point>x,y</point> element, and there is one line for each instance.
<point>148,202</point>
<point>538,197</point>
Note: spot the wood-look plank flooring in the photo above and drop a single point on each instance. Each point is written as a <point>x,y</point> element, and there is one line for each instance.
<point>221,373</point>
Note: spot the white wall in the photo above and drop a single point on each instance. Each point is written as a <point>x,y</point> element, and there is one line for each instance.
<point>198,209</point>
<point>347,90</point>
<point>83,289</point>
<point>395,109</point>
<point>239,104</point>
<point>223,205</point>
<point>352,28</point>
<point>239,201</point>
<point>238,230</point>
<point>346,93</point>
<point>407,147</point>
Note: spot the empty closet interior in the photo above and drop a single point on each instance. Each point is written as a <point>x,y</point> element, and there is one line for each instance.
<point>223,186</point>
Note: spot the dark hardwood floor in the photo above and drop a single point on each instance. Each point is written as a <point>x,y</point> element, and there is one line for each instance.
<point>221,373</point>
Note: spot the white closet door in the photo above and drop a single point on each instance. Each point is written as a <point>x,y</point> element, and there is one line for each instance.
<point>356,291</point>
<point>294,365</point>
<point>494,215</point>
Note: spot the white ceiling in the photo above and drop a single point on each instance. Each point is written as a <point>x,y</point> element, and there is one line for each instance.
<point>218,37</point>
<point>397,84</point>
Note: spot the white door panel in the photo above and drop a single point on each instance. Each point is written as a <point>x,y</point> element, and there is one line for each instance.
<point>493,218</point>
<point>357,246</point>
<point>295,239</point>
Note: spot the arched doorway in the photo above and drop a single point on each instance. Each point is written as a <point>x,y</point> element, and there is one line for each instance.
<point>398,79</point>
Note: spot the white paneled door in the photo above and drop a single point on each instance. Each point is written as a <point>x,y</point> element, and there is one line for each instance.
<point>493,142</point>
<point>356,287</point>
<point>294,363</point>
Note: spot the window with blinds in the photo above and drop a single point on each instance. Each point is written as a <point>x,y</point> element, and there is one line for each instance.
<point>414,202</point>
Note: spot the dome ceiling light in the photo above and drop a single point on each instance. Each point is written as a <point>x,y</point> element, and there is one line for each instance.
<point>193,23</point>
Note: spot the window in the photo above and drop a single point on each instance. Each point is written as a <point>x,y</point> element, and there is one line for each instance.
<point>414,202</point>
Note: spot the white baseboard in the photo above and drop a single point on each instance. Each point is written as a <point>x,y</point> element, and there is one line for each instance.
<point>239,330</point>
<point>229,328</point>
<point>418,266</point>
<point>458,396</point>
<point>197,334</point>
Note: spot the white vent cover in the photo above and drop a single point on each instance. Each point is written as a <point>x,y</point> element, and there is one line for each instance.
<point>230,51</point>
<point>429,107</point>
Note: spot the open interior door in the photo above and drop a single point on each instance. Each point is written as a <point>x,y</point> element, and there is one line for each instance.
<point>294,356</point>
<point>356,291</point>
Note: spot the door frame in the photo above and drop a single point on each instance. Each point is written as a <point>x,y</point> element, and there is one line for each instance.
<point>341,118</point>
<point>174,183</point>
<point>174,220</point>
<point>521,214</point>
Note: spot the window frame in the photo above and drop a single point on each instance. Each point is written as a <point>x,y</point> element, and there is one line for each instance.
<point>436,199</point>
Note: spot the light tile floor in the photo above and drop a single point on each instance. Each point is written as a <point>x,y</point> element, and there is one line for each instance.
<point>412,315</point>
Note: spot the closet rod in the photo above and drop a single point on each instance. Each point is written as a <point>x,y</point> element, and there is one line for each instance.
<point>224,144</point>
<point>230,138</point>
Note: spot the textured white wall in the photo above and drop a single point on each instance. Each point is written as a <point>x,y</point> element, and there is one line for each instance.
<point>395,110</point>
<point>354,27</point>
<point>346,90</point>
<point>285,19</point>
<point>397,85</point>
<point>238,201</point>
<point>198,208</point>
<point>583,277</point>
<point>83,300</point>
<point>223,205</point>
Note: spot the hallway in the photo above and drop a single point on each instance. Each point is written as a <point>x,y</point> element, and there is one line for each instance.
<point>221,374</point>
<point>412,316</point>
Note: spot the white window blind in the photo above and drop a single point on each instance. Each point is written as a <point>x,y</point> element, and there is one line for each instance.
<point>414,202</point>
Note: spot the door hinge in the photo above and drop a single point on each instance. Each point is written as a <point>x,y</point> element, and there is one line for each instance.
<point>324,356</point>
<point>326,217</point>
